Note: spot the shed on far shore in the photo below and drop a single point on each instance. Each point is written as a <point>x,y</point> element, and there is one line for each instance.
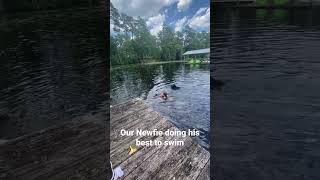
<point>201,54</point>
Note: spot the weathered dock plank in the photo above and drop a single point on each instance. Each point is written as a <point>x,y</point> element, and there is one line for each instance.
<point>142,155</point>
<point>189,161</point>
<point>74,150</point>
<point>79,150</point>
<point>205,174</point>
<point>121,153</point>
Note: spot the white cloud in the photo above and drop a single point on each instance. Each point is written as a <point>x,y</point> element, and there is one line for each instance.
<point>143,8</point>
<point>148,8</point>
<point>183,5</point>
<point>181,23</point>
<point>155,23</point>
<point>111,28</point>
<point>200,11</point>
<point>201,20</point>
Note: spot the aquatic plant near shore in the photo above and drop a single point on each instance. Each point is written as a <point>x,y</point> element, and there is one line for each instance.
<point>194,61</point>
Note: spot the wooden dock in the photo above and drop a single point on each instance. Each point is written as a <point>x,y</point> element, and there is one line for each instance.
<point>189,161</point>
<point>79,149</point>
<point>74,150</point>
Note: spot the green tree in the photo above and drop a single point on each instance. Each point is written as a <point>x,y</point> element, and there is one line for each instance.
<point>179,44</point>
<point>189,40</point>
<point>142,39</point>
<point>168,45</point>
<point>133,43</point>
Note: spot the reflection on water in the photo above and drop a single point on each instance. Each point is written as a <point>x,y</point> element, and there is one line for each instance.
<point>188,106</point>
<point>266,117</point>
<point>51,69</point>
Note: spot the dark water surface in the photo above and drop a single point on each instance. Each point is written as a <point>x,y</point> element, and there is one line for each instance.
<point>187,107</point>
<point>267,116</point>
<point>52,69</point>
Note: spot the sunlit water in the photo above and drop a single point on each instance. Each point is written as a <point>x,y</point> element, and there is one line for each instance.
<point>51,69</point>
<point>267,116</point>
<point>187,107</point>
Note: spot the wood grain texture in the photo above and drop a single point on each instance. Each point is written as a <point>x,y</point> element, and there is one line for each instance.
<point>189,161</point>
<point>79,150</point>
<point>74,150</point>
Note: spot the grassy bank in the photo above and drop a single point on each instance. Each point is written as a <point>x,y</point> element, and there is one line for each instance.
<point>197,61</point>
<point>147,63</point>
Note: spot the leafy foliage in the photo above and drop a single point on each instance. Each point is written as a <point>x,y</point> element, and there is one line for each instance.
<point>194,61</point>
<point>132,41</point>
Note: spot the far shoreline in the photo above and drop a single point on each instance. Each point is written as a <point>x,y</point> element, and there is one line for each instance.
<point>149,63</point>
<point>146,63</point>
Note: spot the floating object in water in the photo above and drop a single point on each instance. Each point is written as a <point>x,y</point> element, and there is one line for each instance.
<point>164,96</point>
<point>174,87</point>
<point>132,150</point>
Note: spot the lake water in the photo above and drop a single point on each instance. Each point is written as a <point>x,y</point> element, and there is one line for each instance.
<point>267,116</point>
<point>52,68</point>
<point>187,107</point>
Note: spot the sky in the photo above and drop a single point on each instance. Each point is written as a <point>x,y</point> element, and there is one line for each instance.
<point>175,13</point>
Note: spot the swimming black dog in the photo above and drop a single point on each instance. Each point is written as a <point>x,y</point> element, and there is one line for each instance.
<point>174,87</point>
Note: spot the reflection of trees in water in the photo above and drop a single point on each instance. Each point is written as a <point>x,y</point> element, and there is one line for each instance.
<point>170,70</point>
<point>139,80</point>
<point>132,81</point>
<point>191,67</point>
